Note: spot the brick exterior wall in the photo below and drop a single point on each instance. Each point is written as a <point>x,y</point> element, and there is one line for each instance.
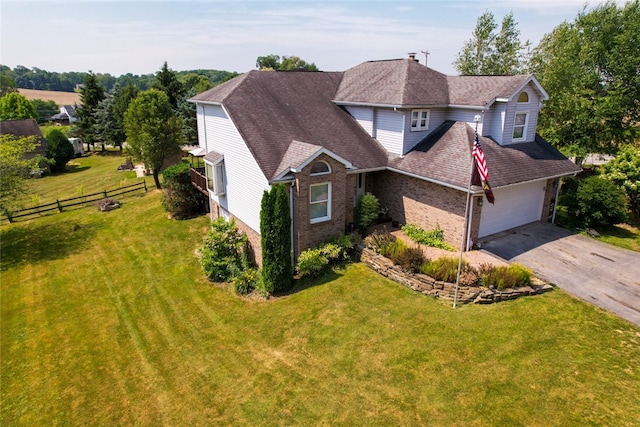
<point>423,203</point>
<point>307,235</point>
<point>255,247</point>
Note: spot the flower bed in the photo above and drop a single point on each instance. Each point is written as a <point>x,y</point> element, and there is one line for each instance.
<point>429,286</point>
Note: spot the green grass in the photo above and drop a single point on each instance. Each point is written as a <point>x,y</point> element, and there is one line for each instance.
<point>107,319</point>
<point>625,236</point>
<point>94,172</point>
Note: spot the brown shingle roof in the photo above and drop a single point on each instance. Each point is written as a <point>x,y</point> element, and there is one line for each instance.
<point>271,109</point>
<point>445,156</point>
<point>22,128</point>
<point>393,82</point>
<point>479,90</point>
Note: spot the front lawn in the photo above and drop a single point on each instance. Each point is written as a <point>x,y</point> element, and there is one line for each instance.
<point>107,319</point>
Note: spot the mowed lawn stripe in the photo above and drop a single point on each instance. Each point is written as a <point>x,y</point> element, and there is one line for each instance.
<point>107,319</point>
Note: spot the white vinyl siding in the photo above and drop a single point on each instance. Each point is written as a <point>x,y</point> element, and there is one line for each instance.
<point>364,117</point>
<point>389,129</point>
<point>466,115</point>
<point>412,138</point>
<point>245,182</point>
<point>514,206</point>
<point>494,121</point>
<point>514,107</point>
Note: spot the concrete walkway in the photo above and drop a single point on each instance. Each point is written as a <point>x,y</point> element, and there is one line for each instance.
<point>604,275</point>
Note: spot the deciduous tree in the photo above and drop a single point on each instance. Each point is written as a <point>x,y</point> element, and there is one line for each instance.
<point>14,106</point>
<point>15,167</point>
<point>488,53</point>
<point>288,63</point>
<point>590,67</point>
<point>154,132</point>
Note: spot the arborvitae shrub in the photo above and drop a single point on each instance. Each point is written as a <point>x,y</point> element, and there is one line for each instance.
<point>275,231</point>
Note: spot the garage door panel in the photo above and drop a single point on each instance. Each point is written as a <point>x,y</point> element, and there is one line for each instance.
<point>516,205</point>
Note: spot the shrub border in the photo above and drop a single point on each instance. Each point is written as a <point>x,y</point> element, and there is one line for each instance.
<point>429,286</point>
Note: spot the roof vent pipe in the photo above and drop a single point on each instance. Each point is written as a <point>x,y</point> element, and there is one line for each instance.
<point>412,56</point>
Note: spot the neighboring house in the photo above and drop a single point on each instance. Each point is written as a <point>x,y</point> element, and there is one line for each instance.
<point>395,128</point>
<point>23,128</point>
<point>66,116</point>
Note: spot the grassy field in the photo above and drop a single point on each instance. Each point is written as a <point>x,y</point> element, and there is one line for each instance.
<point>60,98</point>
<point>107,319</point>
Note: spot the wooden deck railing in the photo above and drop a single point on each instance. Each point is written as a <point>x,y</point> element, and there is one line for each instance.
<point>199,180</point>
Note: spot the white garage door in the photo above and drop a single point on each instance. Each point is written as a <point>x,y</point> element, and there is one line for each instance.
<point>514,206</point>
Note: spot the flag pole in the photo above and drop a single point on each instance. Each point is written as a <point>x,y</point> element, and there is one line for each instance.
<point>466,223</point>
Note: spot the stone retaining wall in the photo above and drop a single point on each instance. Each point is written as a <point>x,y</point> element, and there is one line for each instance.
<point>429,286</point>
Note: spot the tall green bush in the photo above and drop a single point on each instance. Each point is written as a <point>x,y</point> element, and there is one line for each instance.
<point>595,202</point>
<point>179,197</point>
<point>59,150</point>
<point>275,239</point>
<point>222,251</point>
<point>366,211</point>
<point>624,171</point>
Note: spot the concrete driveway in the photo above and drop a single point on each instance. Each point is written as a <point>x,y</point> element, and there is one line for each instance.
<point>596,272</point>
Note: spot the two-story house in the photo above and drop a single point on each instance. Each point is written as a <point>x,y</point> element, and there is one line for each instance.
<point>395,128</point>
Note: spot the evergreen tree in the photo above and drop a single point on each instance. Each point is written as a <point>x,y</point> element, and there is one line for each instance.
<point>275,234</point>
<point>59,150</point>
<point>167,81</point>
<point>122,97</point>
<point>90,96</point>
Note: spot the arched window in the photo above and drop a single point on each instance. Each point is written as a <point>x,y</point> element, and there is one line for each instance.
<point>320,168</point>
<point>523,97</point>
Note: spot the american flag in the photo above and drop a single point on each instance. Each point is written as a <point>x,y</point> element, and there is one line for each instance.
<point>481,162</point>
<point>481,166</point>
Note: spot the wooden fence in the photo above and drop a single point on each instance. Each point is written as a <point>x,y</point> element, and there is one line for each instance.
<point>81,201</point>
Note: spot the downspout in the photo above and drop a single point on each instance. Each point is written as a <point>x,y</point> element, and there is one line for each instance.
<point>291,226</point>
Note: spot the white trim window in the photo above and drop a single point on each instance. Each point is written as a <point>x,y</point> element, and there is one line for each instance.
<point>320,168</point>
<point>320,202</point>
<point>520,126</point>
<point>215,178</point>
<point>419,120</point>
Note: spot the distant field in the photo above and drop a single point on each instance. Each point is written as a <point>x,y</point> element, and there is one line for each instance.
<point>60,98</point>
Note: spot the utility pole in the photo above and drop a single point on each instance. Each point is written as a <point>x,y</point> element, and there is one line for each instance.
<point>426,56</point>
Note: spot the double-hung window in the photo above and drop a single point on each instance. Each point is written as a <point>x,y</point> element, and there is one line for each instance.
<point>419,120</point>
<point>320,202</point>
<point>520,127</point>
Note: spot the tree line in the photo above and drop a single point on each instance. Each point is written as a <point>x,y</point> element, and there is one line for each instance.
<point>39,79</point>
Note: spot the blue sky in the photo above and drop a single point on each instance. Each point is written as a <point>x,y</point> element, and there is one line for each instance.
<point>123,36</point>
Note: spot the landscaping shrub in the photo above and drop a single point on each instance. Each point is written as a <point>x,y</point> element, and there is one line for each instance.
<point>433,238</point>
<point>501,277</point>
<point>311,262</point>
<point>244,282</point>
<point>411,259</point>
<point>445,269</point>
<point>624,171</point>
<point>594,202</point>
<point>379,239</point>
<point>366,211</point>
<point>393,249</point>
<point>179,197</point>
<point>222,250</point>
